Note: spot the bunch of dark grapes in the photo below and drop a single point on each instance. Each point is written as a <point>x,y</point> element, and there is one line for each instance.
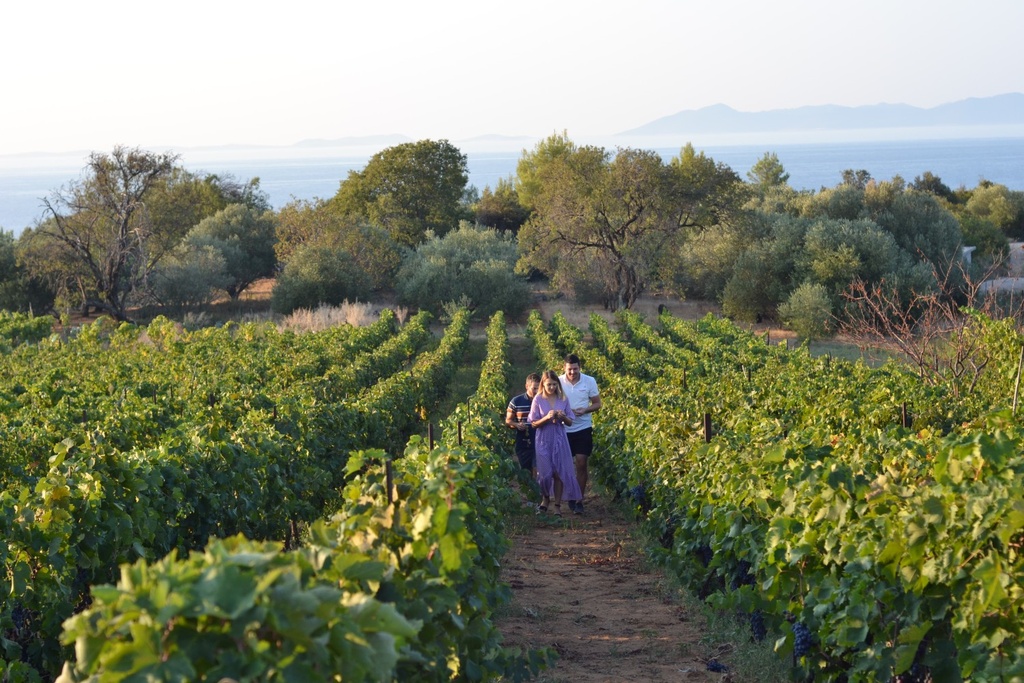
<point>801,639</point>
<point>639,495</point>
<point>742,576</point>
<point>22,619</point>
<point>22,633</point>
<point>757,627</point>
<point>915,674</point>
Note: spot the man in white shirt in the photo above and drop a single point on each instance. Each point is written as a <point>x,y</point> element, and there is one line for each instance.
<point>584,399</point>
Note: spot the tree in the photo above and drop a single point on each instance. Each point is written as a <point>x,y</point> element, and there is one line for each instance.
<point>534,166</point>
<point>768,172</point>
<point>999,205</point>
<point>917,220</point>
<point>319,222</point>
<point>931,183</point>
<point>930,328</point>
<point>18,290</point>
<point>179,201</point>
<point>702,193</point>
<point>373,250</point>
<point>244,239</point>
<point>304,221</point>
<point>992,244</point>
<point>500,209</point>
<point>920,224</point>
<point>858,179</point>
<point>613,224</point>
<point>409,189</point>
<point>102,225</point>
<point>753,290</point>
<point>837,251</point>
<point>707,260</point>
<point>607,214</point>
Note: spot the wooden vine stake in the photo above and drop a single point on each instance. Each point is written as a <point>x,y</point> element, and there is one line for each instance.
<point>707,427</point>
<point>460,432</point>
<point>1016,384</point>
<point>430,435</point>
<point>389,480</point>
<point>905,416</point>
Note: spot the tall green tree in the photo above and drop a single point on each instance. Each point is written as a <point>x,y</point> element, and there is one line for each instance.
<point>768,172</point>
<point>535,165</point>
<point>409,190</point>
<point>102,225</point>
<point>19,291</point>
<point>931,183</point>
<point>500,208</point>
<point>702,193</point>
<point>1000,205</point>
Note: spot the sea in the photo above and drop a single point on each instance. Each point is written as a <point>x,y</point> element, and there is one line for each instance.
<point>290,173</point>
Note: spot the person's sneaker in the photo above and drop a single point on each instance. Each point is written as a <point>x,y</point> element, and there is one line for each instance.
<point>577,507</point>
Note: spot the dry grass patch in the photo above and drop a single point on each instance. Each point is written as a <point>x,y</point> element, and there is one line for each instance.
<point>324,317</point>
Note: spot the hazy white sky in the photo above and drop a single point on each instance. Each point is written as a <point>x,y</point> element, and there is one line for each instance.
<point>88,75</point>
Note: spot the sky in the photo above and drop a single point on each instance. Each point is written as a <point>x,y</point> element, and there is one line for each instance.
<point>91,75</point>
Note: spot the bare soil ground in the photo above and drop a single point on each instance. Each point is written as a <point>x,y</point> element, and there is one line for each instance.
<point>581,587</point>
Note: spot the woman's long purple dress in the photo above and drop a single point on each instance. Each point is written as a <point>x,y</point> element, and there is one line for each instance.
<point>552,447</point>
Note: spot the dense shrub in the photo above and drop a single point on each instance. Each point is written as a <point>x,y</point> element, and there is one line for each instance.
<point>808,311</point>
<point>319,275</point>
<point>753,289</point>
<point>469,264</point>
<point>192,276</point>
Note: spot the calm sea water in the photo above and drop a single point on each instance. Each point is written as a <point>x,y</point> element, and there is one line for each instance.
<point>958,162</point>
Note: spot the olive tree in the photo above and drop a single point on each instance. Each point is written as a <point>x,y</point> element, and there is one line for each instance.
<point>245,240</point>
<point>472,264</point>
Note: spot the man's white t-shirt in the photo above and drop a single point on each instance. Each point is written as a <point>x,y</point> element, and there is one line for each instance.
<point>579,396</point>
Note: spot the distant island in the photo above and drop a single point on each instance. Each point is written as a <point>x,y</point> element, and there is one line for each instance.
<point>999,110</point>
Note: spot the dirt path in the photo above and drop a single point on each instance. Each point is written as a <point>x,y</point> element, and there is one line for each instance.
<point>580,587</point>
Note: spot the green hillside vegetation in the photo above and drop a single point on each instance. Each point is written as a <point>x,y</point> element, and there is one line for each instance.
<point>138,236</point>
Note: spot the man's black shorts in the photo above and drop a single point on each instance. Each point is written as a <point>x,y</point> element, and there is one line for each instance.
<point>526,457</point>
<point>582,442</point>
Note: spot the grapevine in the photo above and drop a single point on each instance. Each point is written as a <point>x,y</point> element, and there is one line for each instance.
<point>809,491</point>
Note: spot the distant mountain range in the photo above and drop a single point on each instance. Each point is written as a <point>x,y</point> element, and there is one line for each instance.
<point>976,111</point>
<point>365,140</point>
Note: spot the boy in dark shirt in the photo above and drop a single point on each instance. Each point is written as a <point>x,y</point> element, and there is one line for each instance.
<point>515,417</point>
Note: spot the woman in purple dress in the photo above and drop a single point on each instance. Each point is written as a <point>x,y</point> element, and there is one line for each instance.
<point>549,414</point>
